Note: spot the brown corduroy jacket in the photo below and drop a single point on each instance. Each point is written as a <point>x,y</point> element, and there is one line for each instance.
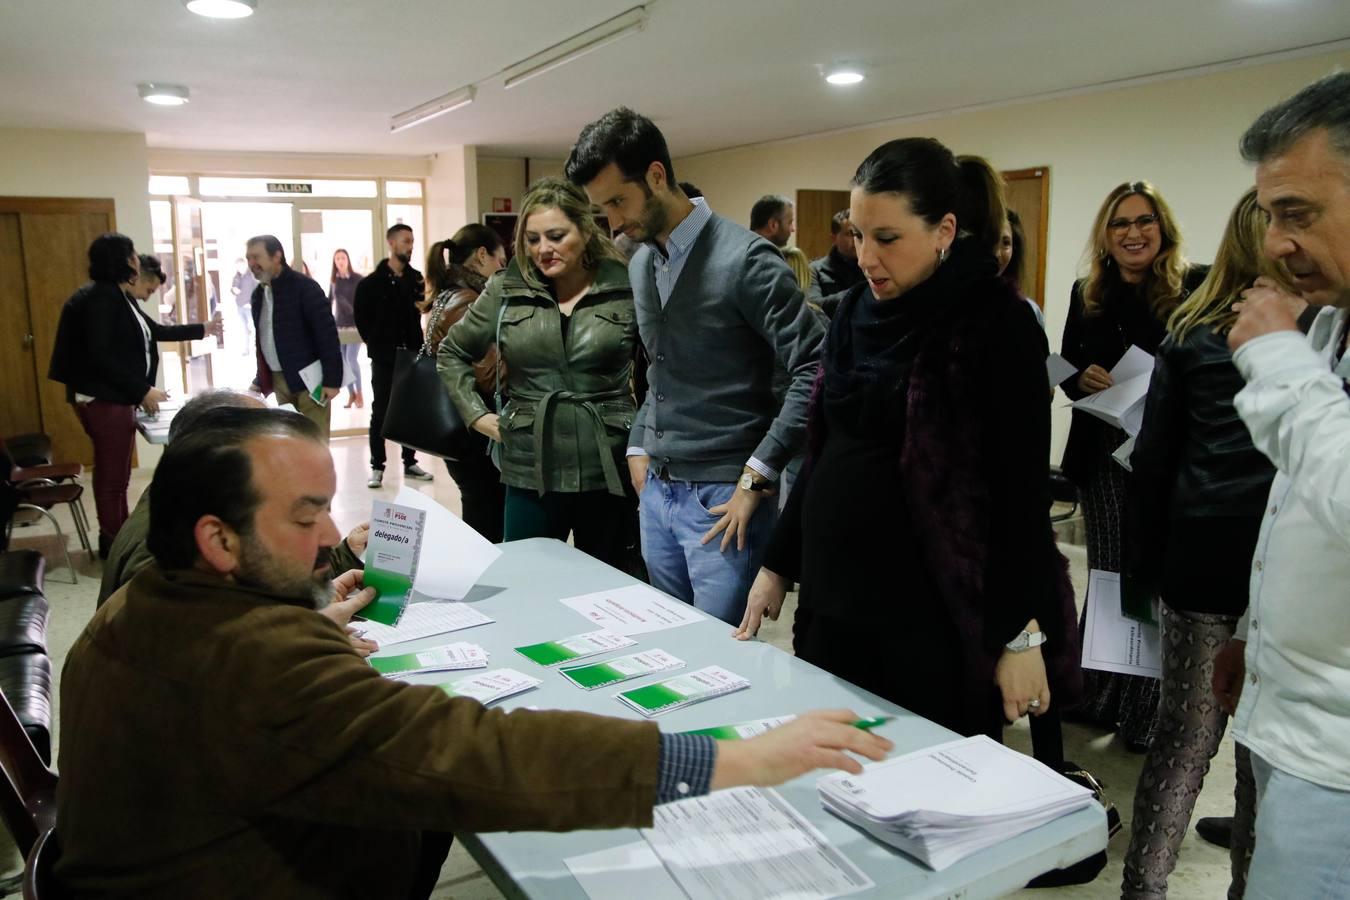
<point>216,741</point>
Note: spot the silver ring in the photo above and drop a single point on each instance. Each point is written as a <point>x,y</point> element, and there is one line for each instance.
<point>1033,704</point>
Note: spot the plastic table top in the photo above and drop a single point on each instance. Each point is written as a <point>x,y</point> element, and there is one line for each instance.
<point>521,591</point>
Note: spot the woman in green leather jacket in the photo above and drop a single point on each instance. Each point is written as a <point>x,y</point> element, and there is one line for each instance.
<point>561,314</point>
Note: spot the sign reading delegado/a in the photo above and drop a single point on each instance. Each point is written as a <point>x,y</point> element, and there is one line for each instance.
<point>289,187</point>
<point>392,552</point>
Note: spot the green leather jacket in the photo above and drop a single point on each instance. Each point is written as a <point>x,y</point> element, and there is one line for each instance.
<point>565,426</point>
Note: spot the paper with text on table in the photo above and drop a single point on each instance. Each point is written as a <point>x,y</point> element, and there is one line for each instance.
<point>749,842</point>
<point>624,668</point>
<point>425,617</point>
<point>1112,641</point>
<point>489,687</point>
<point>635,609</point>
<point>681,691</point>
<point>393,548</point>
<point>577,646</point>
<point>461,655</point>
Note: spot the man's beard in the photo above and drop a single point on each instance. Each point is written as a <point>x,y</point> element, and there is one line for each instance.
<point>258,568</point>
<point>405,258</point>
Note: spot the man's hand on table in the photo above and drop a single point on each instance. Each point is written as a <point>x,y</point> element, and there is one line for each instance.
<point>820,739</point>
<point>341,608</point>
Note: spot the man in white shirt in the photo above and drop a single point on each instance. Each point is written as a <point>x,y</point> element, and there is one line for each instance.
<point>1287,676</point>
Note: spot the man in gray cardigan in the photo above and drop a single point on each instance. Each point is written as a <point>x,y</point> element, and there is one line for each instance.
<point>716,307</point>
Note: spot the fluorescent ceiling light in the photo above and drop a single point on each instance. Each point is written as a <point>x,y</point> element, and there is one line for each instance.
<point>222,9</point>
<point>577,46</point>
<point>844,76</point>
<point>163,94</point>
<point>431,109</point>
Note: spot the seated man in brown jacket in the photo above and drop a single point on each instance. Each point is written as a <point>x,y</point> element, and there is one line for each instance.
<point>219,739</point>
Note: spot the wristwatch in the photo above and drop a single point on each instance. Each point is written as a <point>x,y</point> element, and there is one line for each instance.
<point>1026,640</point>
<point>748,483</point>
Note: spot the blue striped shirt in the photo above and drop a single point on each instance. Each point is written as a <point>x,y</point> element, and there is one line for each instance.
<point>684,766</point>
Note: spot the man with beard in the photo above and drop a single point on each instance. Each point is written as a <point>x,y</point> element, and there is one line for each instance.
<point>219,739</point>
<point>295,328</point>
<point>386,310</point>
<point>717,308</point>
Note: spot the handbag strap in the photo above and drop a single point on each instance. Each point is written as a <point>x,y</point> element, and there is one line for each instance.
<point>497,392</point>
<point>437,310</point>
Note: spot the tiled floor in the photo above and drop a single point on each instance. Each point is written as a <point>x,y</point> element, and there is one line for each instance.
<point>1202,873</point>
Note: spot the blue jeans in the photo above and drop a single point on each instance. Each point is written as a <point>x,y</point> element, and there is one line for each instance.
<point>674,517</point>
<point>1302,838</point>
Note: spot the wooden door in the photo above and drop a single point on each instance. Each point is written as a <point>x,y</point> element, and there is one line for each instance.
<point>815,209</point>
<point>52,260</point>
<point>1028,194</point>
<point>19,410</point>
<point>193,293</point>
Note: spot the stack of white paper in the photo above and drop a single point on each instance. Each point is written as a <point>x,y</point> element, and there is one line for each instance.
<point>944,803</point>
<point>425,617</point>
<point>1122,404</point>
<point>489,687</point>
<point>462,655</point>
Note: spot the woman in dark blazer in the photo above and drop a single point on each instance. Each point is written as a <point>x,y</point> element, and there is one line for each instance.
<point>106,357</point>
<point>918,528</point>
<point>1137,278</point>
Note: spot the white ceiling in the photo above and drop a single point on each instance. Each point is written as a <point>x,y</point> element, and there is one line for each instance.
<point>304,75</point>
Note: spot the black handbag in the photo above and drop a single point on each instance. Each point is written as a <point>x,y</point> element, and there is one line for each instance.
<point>420,413</point>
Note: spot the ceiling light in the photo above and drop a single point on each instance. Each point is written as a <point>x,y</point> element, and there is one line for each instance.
<point>844,76</point>
<point>431,109</point>
<point>222,9</point>
<point>577,46</point>
<point>163,94</point>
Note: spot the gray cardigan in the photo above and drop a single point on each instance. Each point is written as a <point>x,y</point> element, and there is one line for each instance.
<point>735,309</point>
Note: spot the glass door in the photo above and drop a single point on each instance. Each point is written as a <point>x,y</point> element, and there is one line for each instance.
<point>337,248</point>
<point>194,299</point>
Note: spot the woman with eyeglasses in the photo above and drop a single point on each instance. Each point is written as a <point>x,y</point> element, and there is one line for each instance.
<point>1137,276</point>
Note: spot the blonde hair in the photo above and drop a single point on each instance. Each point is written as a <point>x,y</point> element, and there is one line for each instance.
<point>562,195</point>
<point>1164,281</point>
<point>799,264</point>
<point>1237,264</point>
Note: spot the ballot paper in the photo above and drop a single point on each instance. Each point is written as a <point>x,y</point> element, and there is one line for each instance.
<point>1059,369</point>
<point>1122,404</point>
<point>1122,455</point>
<point>456,557</point>
<point>742,730</point>
<point>1112,641</point>
<point>312,378</point>
<point>943,803</point>
<point>627,870</point>
<point>424,617</point>
<point>748,842</point>
<point>393,548</point>
<point>683,690</point>
<point>462,655</point>
<point>635,609</point>
<point>578,646</point>
<point>489,687</point>
<point>622,668</point>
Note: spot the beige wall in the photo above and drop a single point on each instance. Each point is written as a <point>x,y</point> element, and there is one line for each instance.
<point>1180,134</point>
<point>452,191</point>
<point>42,163</point>
<point>297,165</point>
<point>510,176</point>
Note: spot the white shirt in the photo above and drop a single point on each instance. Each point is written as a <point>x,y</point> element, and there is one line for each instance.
<point>267,342</point>
<point>1295,708</point>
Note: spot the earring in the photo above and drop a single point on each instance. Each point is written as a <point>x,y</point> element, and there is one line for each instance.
<point>942,255</point>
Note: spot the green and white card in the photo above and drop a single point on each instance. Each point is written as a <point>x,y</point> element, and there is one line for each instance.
<point>684,690</point>
<point>578,646</point>
<point>392,552</point>
<point>461,655</point>
<point>743,730</point>
<point>623,668</point>
<point>489,687</point>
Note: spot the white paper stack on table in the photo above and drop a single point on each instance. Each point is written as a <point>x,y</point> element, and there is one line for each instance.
<point>1122,404</point>
<point>461,655</point>
<point>489,687</point>
<point>943,803</point>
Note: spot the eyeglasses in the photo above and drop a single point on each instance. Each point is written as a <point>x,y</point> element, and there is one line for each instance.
<point>1143,223</point>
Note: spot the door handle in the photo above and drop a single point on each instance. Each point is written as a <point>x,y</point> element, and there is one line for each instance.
<point>27,341</point>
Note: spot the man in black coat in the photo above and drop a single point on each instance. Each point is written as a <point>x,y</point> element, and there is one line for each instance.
<point>836,271</point>
<point>386,309</point>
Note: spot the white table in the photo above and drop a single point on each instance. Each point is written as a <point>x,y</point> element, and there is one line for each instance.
<point>521,591</point>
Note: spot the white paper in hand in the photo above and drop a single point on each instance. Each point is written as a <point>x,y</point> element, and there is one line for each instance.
<point>454,556</point>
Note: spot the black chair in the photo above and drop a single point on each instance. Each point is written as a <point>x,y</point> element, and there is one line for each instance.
<point>1062,490</point>
<point>28,787</point>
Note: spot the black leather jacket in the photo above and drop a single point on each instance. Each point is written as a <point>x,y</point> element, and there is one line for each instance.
<point>1193,457</point>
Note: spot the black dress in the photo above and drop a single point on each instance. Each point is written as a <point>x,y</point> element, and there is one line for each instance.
<point>869,610</point>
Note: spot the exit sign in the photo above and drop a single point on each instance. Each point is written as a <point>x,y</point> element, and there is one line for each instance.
<point>289,187</point>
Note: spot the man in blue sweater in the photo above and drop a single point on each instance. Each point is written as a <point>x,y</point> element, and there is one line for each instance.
<point>717,306</point>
